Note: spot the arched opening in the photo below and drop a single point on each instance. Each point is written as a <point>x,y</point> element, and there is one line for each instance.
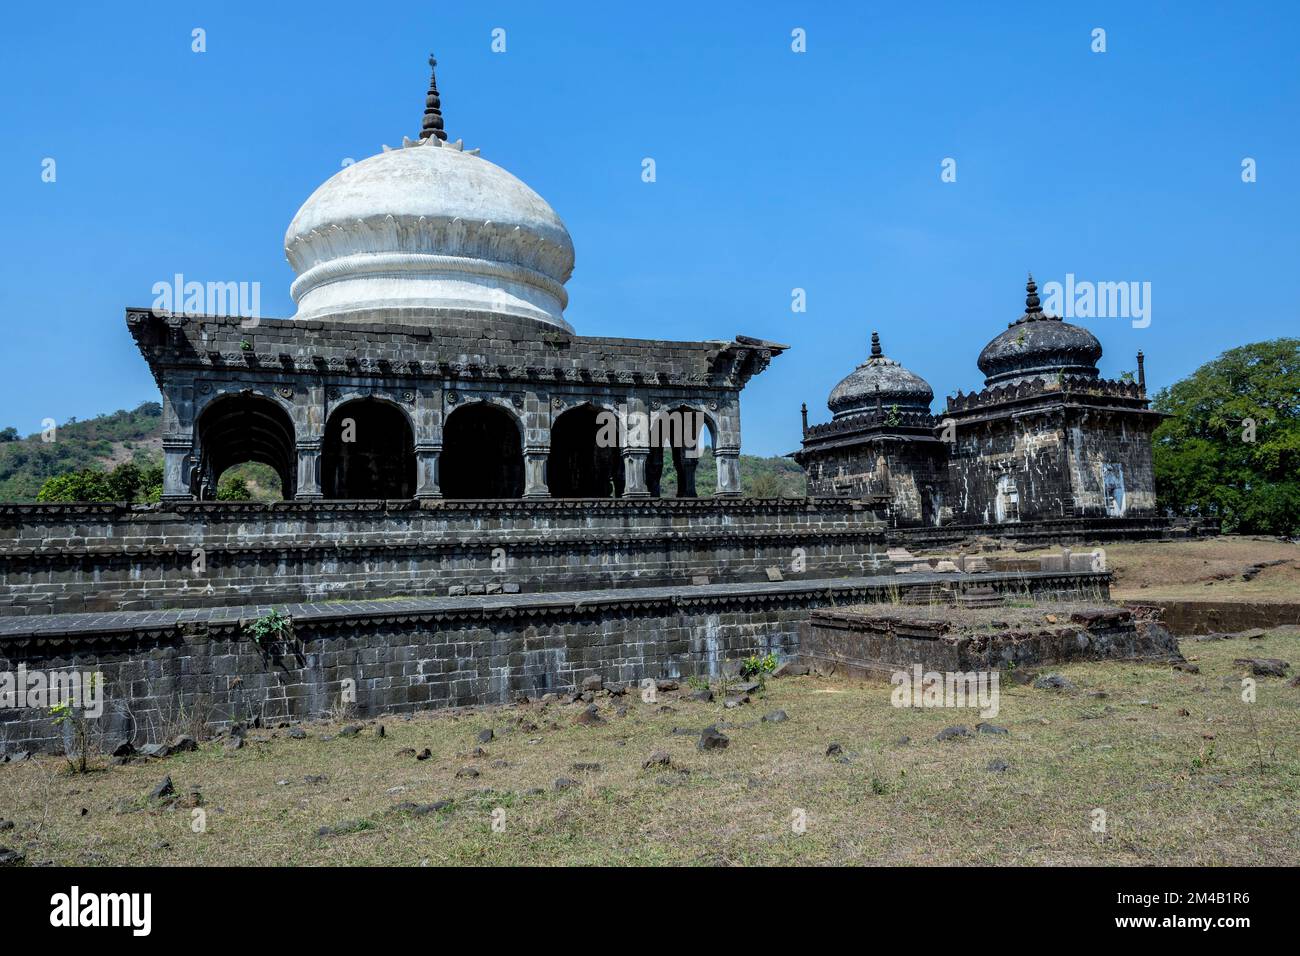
<point>681,439</point>
<point>368,452</point>
<point>482,454</point>
<point>585,459</point>
<point>242,428</point>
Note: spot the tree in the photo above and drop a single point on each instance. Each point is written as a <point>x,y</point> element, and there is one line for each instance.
<point>1231,451</point>
<point>8,434</point>
<point>127,482</point>
<point>233,488</point>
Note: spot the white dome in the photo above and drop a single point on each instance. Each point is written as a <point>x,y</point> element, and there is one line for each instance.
<point>428,227</point>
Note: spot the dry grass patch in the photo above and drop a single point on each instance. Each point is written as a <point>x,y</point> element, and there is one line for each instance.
<point>1173,758</point>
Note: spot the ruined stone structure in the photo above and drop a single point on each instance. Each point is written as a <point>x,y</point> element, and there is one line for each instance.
<point>461,523</point>
<point>1046,440</point>
<point>430,357</point>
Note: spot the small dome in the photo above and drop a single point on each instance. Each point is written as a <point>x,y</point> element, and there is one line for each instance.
<point>883,379</point>
<point>428,227</point>
<point>1037,345</point>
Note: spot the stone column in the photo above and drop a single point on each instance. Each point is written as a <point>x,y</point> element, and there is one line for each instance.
<point>178,464</point>
<point>686,462</point>
<point>308,470</point>
<point>634,485</point>
<point>427,479</point>
<point>728,460</point>
<point>535,457</point>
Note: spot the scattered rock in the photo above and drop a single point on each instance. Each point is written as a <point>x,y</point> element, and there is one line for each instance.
<point>234,743</point>
<point>590,716</point>
<point>424,754</point>
<point>957,732</point>
<point>776,717</point>
<point>713,739</point>
<point>660,758</point>
<point>1053,682</point>
<point>704,695</point>
<point>732,703</point>
<point>9,824</point>
<point>565,783</point>
<point>998,765</point>
<point>467,772</point>
<point>164,789</point>
<point>421,809</point>
<point>297,733</point>
<point>184,744</point>
<point>478,752</point>
<point>1255,633</point>
<point>316,778</point>
<point>902,741</point>
<point>1264,666</point>
<point>10,857</point>
<point>351,730</point>
<point>616,688</point>
<point>834,750</point>
<point>790,670</point>
<point>380,731</point>
<point>592,682</point>
<point>1187,667</point>
<point>122,748</point>
<point>666,685</point>
<point>533,791</point>
<point>157,751</point>
<point>586,767</point>
<point>991,729</point>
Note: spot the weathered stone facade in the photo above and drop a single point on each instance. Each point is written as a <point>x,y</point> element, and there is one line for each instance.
<point>282,393</point>
<point>1046,440</point>
<point>103,557</point>
<point>413,654</point>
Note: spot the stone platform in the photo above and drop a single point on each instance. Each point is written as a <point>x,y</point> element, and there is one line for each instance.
<point>878,640</point>
<point>414,653</point>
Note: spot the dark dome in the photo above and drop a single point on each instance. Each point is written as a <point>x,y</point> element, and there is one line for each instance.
<point>1037,345</point>
<point>880,378</point>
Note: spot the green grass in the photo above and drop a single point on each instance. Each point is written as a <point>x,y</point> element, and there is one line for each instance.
<point>1171,794</point>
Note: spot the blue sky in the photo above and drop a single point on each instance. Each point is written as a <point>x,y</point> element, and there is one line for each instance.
<point>775,170</point>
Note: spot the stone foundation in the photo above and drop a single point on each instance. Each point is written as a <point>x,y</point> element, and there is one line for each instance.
<point>167,668</point>
<point>877,641</point>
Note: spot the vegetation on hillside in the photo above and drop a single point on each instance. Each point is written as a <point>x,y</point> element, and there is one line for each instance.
<point>1231,451</point>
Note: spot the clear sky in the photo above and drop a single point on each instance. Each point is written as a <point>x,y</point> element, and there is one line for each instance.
<point>776,170</point>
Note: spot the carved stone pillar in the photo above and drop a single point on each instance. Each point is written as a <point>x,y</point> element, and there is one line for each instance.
<point>634,483</point>
<point>535,457</point>
<point>427,479</point>
<point>178,466</point>
<point>309,488</point>
<point>728,460</point>
<point>685,461</point>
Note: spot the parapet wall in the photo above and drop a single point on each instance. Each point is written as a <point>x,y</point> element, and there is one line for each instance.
<point>92,557</point>
<point>163,672</point>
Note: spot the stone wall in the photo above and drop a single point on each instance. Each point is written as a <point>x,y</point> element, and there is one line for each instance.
<point>879,642</point>
<point>71,558</point>
<point>164,670</point>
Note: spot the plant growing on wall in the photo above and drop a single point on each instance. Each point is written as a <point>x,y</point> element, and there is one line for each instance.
<point>271,626</point>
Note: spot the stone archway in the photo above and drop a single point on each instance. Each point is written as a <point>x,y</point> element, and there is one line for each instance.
<point>583,464</point>
<point>234,429</point>
<point>681,435</point>
<point>482,453</point>
<point>368,452</point>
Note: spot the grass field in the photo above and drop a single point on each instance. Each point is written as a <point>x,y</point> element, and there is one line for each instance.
<point>1186,773</point>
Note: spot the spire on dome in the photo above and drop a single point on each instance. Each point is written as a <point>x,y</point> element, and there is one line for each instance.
<point>1032,306</point>
<point>432,107</point>
<point>875,345</point>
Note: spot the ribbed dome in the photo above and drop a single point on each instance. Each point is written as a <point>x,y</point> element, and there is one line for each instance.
<point>427,228</point>
<point>1039,346</point>
<point>883,379</point>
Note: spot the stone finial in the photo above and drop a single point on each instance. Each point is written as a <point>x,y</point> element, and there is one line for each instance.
<point>1142,372</point>
<point>1032,305</point>
<point>875,345</point>
<point>432,106</point>
<point>804,410</point>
